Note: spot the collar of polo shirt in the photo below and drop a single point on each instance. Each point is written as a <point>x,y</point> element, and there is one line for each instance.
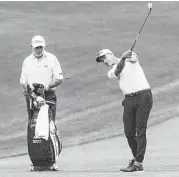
<point>43,56</point>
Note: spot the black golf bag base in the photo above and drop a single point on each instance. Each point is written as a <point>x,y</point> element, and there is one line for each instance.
<point>43,152</point>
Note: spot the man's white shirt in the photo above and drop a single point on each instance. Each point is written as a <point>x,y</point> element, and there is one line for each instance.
<point>42,70</point>
<point>132,77</point>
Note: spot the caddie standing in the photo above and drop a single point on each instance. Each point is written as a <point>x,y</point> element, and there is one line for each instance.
<point>137,101</point>
<point>44,68</point>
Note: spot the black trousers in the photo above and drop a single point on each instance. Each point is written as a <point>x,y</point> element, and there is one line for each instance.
<point>136,113</point>
<point>49,96</point>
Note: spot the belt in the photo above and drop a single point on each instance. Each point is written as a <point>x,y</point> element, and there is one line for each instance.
<point>137,93</point>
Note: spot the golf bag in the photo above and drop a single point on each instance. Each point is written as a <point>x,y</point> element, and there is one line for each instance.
<point>43,139</point>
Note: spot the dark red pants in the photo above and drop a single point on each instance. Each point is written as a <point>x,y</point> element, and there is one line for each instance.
<point>136,113</point>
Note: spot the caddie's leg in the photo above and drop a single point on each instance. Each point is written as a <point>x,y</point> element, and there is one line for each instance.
<point>129,123</point>
<point>51,96</point>
<point>144,106</point>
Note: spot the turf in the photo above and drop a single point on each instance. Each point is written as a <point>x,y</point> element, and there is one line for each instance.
<point>89,104</point>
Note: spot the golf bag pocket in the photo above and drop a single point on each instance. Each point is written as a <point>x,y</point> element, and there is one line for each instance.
<point>56,140</point>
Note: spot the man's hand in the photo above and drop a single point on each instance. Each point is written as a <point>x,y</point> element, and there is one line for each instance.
<point>126,54</point>
<point>133,59</point>
<point>25,93</point>
<point>46,87</point>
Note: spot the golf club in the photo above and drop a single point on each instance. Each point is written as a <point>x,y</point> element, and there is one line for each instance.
<point>150,9</point>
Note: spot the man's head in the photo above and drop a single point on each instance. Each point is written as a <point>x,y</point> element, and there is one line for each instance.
<point>38,45</point>
<point>107,57</point>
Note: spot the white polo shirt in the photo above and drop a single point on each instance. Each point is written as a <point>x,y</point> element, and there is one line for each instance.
<point>132,78</point>
<point>42,70</point>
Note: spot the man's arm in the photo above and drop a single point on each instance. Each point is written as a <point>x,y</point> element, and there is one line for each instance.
<point>111,74</point>
<point>120,66</point>
<point>24,86</point>
<point>55,83</point>
<point>28,100</point>
<point>57,74</point>
<point>23,78</point>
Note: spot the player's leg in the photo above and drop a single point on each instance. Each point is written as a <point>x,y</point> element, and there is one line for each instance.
<point>129,124</point>
<point>129,128</point>
<point>144,105</point>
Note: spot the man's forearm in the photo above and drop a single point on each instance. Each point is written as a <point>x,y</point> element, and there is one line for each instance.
<point>55,83</point>
<point>120,67</point>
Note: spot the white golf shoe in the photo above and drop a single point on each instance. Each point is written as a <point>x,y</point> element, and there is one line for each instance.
<point>54,167</point>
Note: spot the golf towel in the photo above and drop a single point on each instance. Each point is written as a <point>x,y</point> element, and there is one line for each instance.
<point>42,124</point>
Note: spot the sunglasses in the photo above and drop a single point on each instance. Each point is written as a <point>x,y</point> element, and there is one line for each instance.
<point>39,47</point>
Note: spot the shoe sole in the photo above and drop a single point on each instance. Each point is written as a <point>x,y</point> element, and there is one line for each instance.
<point>32,170</point>
<point>132,171</point>
<point>41,169</point>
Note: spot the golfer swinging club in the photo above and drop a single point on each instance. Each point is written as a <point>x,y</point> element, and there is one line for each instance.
<point>137,102</point>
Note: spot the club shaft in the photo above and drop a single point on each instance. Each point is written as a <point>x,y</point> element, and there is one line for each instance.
<point>140,30</point>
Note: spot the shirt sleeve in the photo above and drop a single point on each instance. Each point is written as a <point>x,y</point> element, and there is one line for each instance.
<point>57,70</point>
<point>23,78</point>
<point>111,74</point>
